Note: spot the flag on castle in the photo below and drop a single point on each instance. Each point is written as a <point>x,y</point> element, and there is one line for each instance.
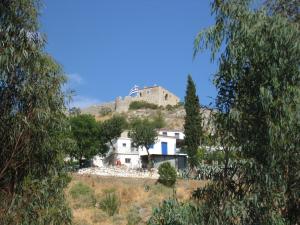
<point>134,91</point>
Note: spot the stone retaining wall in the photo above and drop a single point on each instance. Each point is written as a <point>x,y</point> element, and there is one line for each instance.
<point>114,171</point>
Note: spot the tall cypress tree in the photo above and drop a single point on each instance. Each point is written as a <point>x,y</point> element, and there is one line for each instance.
<point>193,122</point>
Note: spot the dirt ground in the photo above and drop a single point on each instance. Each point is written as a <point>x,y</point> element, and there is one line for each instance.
<point>141,194</point>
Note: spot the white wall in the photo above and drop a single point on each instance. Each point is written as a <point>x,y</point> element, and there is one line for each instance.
<point>171,142</point>
<point>123,145</point>
<point>134,163</point>
<point>124,150</point>
<point>172,134</point>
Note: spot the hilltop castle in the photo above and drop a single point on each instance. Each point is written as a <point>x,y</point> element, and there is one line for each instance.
<point>154,94</point>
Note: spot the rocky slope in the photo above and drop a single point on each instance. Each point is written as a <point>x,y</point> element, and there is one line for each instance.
<point>174,118</point>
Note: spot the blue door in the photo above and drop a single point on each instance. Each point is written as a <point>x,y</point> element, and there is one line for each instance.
<point>164,148</point>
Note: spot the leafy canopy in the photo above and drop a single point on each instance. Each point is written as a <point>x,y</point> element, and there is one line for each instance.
<point>259,98</point>
<point>32,122</point>
<point>85,131</point>
<point>258,102</point>
<point>143,133</point>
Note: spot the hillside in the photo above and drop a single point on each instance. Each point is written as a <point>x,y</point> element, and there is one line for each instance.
<point>174,117</point>
<point>135,207</point>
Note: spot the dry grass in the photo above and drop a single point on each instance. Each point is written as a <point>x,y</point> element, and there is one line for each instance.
<point>141,194</point>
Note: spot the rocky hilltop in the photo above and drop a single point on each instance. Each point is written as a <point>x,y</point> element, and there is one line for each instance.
<point>174,117</point>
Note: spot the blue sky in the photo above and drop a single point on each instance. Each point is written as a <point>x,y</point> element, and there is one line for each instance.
<point>107,46</point>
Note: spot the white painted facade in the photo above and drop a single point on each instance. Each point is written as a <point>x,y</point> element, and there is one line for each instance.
<point>177,134</point>
<point>156,149</point>
<point>125,154</point>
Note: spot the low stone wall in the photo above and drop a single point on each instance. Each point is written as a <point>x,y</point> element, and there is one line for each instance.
<point>115,171</point>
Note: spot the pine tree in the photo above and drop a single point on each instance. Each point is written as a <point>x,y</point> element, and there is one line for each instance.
<point>193,123</point>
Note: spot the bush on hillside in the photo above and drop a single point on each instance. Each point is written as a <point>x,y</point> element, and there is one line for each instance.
<point>110,203</point>
<point>83,195</point>
<point>159,120</point>
<point>142,105</point>
<point>172,212</point>
<point>104,111</point>
<point>174,107</point>
<point>167,174</point>
<point>133,216</point>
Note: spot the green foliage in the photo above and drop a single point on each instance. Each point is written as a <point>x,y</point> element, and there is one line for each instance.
<point>85,131</point>
<point>83,195</point>
<point>143,135</point>
<point>258,100</point>
<point>167,174</point>
<point>104,111</point>
<point>111,129</point>
<point>285,8</point>
<point>41,202</point>
<point>33,122</point>
<point>159,120</point>
<point>172,212</point>
<point>110,203</point>
<point>193,123</point>
<point>174,107</point>
<point>74,111</point>
<point>142,105</point>
<point>133,216</point>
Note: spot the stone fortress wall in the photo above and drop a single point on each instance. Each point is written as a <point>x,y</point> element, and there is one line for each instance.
<point>156,95</point>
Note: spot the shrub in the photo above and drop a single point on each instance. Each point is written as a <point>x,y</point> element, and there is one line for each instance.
<point>174,107</point>
<point>159,120</point>
<point>172,212</point>
<point>167,174</point>
<point>110,203</point>
<point>142,105</point>
<point>133,216</point>
<point>169,108</point>
<point>83,195</point>
<point>104,111</point>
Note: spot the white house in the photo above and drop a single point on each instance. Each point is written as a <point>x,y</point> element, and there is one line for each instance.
<point>164,149</point>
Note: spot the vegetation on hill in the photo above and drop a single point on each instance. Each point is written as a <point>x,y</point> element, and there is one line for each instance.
<point>33,123</point>
<point>142,105</point>
<point>136,198</point>
<point>167,174</point>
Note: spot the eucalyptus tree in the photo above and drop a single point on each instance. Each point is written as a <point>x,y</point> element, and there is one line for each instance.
<point>259,98</point>
<point>258,104</point>
<point>32,121</point>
